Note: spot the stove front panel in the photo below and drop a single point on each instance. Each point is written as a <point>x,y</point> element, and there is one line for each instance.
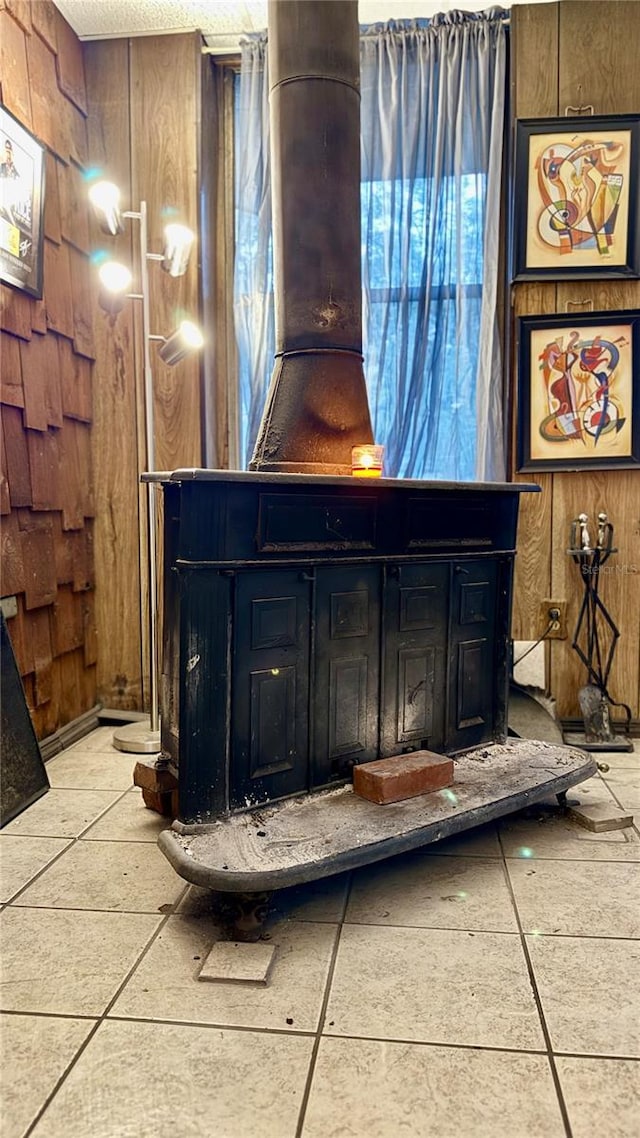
<point>415,657</point>
<point>472,654</point>
<point>270,686</point>
<point>317,624</point>
<point>346,670</point>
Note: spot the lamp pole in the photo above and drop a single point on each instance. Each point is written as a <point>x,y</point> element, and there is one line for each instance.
<point>143,737</point>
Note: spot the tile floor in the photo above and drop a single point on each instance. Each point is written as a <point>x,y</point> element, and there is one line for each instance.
<point>484,987</point>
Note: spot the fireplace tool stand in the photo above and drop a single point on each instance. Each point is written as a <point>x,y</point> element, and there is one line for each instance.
<point>594,625</point>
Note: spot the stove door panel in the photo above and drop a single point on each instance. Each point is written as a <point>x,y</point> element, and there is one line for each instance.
<point>270,719</point>
<point>346,670</point>
<point>473,667</point>
<point>415,629</point>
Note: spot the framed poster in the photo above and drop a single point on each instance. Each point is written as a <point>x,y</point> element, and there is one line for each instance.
<point>21,206</point>
<point>576,196</point>
<point>579,391</point>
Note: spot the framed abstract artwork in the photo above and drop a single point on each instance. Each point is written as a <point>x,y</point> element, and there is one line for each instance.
<point>21,206</point>
<point>579,391</point>
<point>576,197</point>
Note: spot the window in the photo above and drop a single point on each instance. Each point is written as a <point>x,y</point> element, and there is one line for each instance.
<point>420,318</point>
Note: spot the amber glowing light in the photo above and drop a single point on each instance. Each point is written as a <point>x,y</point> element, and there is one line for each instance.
<point>366,461</point>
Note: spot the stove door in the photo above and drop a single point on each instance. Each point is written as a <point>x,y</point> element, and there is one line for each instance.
<point>346,675</point>
<point>473,670</point>
<point>270,668</point>
<point>415,657</point>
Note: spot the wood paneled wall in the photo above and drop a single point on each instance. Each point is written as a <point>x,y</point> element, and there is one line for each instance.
<point>564,54</point>
<point>46,363</point>
<point>73,429</point>
<point>144,128</point>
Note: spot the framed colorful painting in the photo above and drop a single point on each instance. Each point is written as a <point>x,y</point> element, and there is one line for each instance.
<point>21,206</point>
<point>576,196</point>
<point>579,391</point>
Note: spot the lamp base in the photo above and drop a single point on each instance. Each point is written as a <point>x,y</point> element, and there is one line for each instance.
<point>137,738</point>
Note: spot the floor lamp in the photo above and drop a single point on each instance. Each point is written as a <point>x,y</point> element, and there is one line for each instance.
<point>143,737</point>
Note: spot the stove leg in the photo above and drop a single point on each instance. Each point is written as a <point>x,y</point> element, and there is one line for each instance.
<point>562,799</point>
<point>246,914</point>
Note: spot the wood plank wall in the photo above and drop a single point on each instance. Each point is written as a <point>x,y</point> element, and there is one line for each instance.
<point>574,53</point>
<point>144,128</point>
<point>46,365</point>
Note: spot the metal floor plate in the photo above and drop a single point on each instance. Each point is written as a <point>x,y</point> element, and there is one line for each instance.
<point>316,835</point>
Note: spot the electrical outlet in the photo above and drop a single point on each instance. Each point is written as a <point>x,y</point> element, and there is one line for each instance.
<point>553,613</point>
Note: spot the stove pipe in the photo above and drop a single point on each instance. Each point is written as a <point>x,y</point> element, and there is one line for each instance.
<point>317,407</point>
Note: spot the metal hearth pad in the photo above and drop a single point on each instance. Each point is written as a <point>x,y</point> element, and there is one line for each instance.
<point>316,835</point>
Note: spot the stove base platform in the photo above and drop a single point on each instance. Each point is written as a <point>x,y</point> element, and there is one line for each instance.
<point>313,836</point>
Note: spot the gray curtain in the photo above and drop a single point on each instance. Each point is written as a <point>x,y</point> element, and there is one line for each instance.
<point>432,126</point>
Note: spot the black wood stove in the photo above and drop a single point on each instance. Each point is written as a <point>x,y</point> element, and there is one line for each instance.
<point>312,620</point>
<point>313,623</point>
<point>317,622</point>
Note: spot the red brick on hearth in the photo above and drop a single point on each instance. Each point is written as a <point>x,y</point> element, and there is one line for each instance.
<point>402,776</point>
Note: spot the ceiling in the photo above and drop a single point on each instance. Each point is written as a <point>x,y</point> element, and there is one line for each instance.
<point>222,22</point>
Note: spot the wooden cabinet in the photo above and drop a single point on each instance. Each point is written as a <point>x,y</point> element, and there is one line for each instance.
<point>312,623</point>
